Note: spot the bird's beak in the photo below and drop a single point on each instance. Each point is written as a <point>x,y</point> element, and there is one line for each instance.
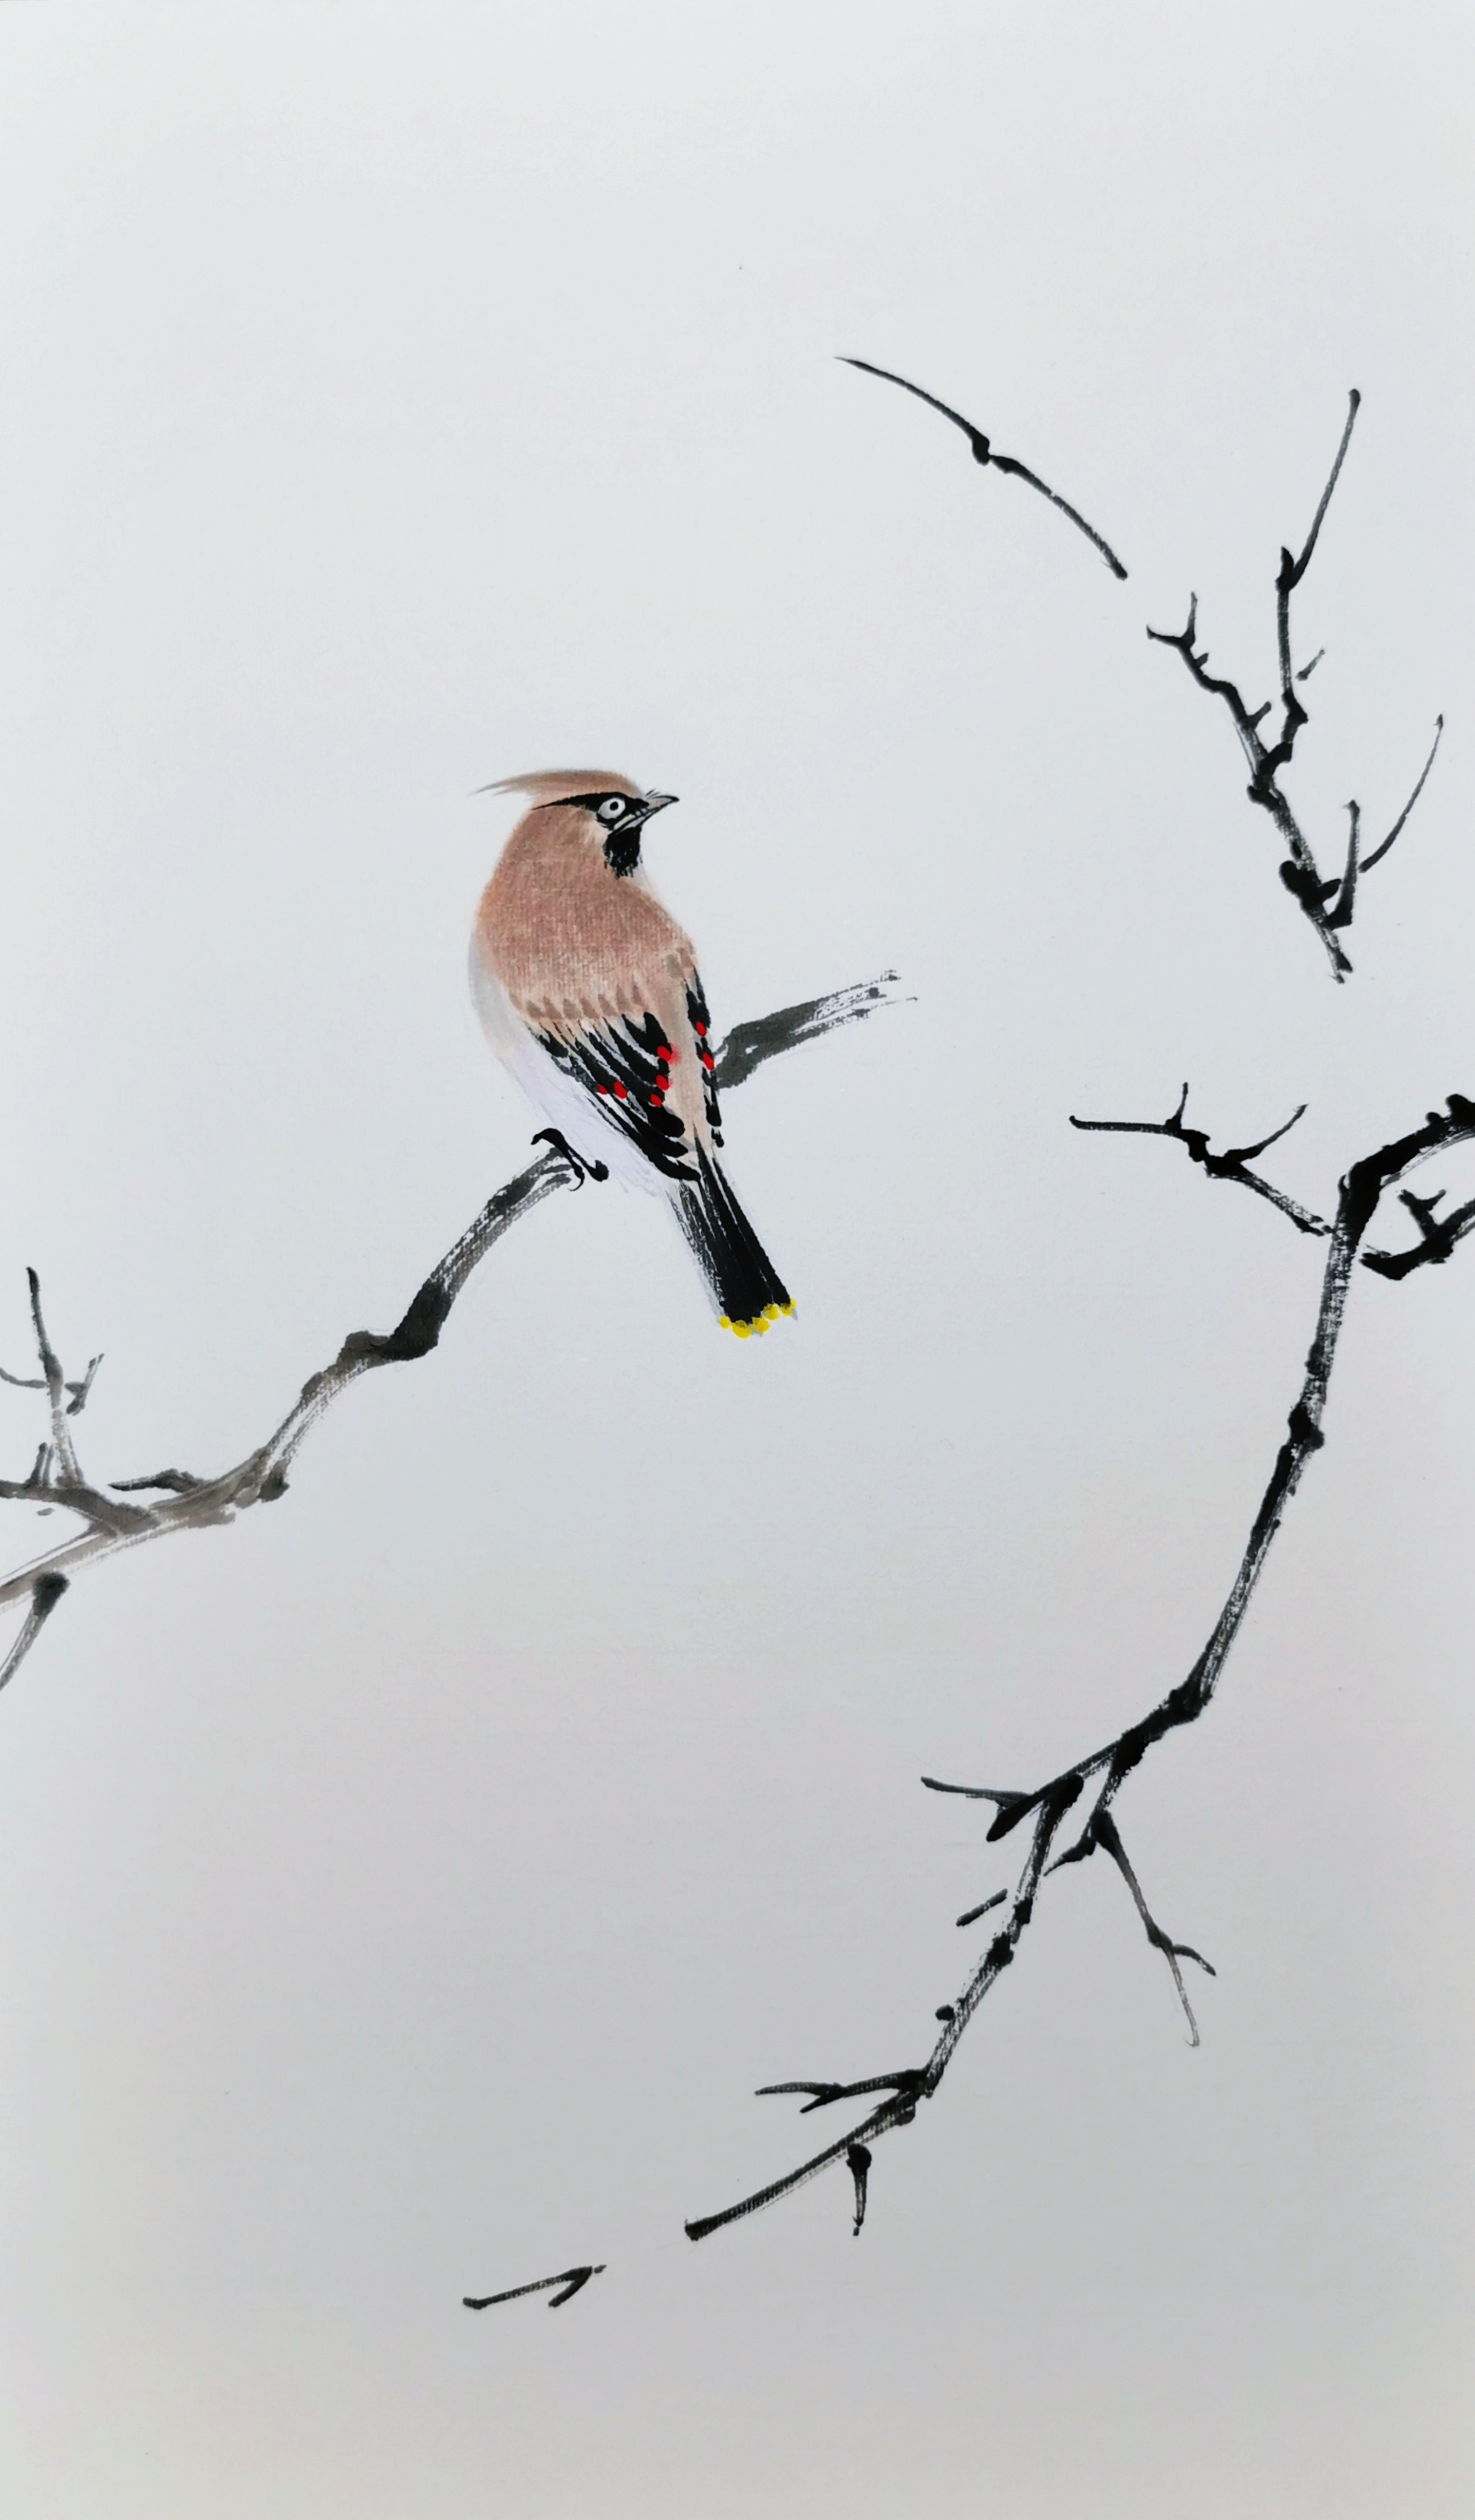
<point>654,804</point>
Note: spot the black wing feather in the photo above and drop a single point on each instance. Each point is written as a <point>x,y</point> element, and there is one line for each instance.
<point>702,1025</point>
<point>620,1069</point>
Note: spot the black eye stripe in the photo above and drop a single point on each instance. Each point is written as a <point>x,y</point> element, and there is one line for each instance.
<point>596,806</point>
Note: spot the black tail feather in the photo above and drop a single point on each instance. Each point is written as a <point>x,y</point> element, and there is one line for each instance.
<point>749,1291</point>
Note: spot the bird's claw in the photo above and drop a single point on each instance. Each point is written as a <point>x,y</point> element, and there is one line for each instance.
<point>583,1169</point>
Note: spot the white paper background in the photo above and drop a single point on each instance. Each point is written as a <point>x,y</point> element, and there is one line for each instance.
<point>403,1892</point>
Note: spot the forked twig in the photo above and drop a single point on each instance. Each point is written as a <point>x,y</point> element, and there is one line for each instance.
<point>1328,904</point>
<point>1233,1165</point>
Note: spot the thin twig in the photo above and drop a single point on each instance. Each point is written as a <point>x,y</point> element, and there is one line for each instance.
<point>1108,1837</point>
<point>45,1593</point>
<point>1340,913</point>
<point>1233,1165</point>
<point>573,2280</point>
<point>983,453</point>
<point>1328,905</point>
<point>1384,846</point>
<point>56,1390</point>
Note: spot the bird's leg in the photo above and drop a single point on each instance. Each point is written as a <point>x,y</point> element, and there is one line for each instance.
<point>583,1169</point>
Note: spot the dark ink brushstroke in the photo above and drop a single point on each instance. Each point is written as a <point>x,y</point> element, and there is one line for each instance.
<point>1329,904</point>
<point>1108,1769</point>
<point>983,453</point>
<point>572,2280</point>
<point>748,1044</point>
<point>185,1501</point>
<point>1233,1165</point>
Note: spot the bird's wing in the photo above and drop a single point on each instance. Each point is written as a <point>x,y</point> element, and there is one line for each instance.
<point>700,1023</point>
<point>623,1064</point>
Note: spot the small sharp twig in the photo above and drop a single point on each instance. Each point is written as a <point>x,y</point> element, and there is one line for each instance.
<point>573,2280</point>
<point>983,453</point>
<point>45,1593</point>
<point>1233,1165</point>
<point>858,2163</point>
<point>1106,1834</point>
<point>1340,913</point>
<point>1384,846</point>
<point>56,1391</point>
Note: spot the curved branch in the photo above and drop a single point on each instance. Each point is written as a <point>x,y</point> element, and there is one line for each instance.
<point>983,453</point>
<point>1108,1769</point>
<point>184,1502</point>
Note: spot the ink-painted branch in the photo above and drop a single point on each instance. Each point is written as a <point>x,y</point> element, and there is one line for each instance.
<point>1233,1165</point>
<point>1106,1769</point>
<point>180,1501</point>
<point>985,453</point>
<point>1328,902</point>
<point>561,2289</point>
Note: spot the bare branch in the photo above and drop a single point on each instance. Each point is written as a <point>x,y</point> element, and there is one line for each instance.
<point>1340,913</point>
<point>1233,1165</point>
<point>572,2280</point>
<point>182,1501</point>
<point>983,453</point>
<point>1299,872</point>
<point>45,1593</point>
<point>748,1044</point>
<point>858,2163</point>
<point>1109,1836</point>
<point>1108,1769</point>
<point>56,1391</point>
<point>1384,846</point>
<point>1328,905</point>
<point>1293,571</point>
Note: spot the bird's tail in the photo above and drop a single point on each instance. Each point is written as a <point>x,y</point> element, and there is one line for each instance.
<point>748,1291</point>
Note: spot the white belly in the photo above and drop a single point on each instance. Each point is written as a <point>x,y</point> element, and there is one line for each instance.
<point>551,1092</point>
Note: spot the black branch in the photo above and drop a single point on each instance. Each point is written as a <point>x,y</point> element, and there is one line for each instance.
<point>1328,902</point>
<point>571,2280</point>
<point>1097,1778</point>
<point>180,1501</point>
<point>1233,1165</point>
<point>984,452</point>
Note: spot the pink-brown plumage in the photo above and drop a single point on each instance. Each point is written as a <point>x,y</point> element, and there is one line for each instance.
<point>588,990</point>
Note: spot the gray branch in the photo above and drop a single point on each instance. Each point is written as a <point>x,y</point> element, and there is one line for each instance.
<point>179,1499</point>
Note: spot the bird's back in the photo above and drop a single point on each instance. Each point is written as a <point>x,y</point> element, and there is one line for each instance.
<point>568,940</point>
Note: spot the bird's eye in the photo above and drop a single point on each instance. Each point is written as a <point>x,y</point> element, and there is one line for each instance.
<point>613,808</point>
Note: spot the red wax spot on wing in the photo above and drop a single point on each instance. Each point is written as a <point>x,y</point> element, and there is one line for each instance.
<point>621,1090</point>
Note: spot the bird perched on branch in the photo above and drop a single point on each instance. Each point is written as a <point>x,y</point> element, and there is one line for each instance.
<point>589,992</point>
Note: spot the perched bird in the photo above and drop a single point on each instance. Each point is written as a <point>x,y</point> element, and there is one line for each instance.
<point>588,991</point>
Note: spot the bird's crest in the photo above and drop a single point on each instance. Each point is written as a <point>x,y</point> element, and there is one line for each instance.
<point>548,785</point>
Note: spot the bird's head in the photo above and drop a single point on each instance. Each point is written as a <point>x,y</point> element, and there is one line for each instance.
<point>592,808</point>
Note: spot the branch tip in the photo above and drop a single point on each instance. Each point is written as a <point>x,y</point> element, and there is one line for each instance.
<point>983,453</point>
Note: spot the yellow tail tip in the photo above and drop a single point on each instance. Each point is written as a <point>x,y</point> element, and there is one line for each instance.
<point>760,1324</point>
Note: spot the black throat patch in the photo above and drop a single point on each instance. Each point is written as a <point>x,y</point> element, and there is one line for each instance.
<point>622,851</point>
